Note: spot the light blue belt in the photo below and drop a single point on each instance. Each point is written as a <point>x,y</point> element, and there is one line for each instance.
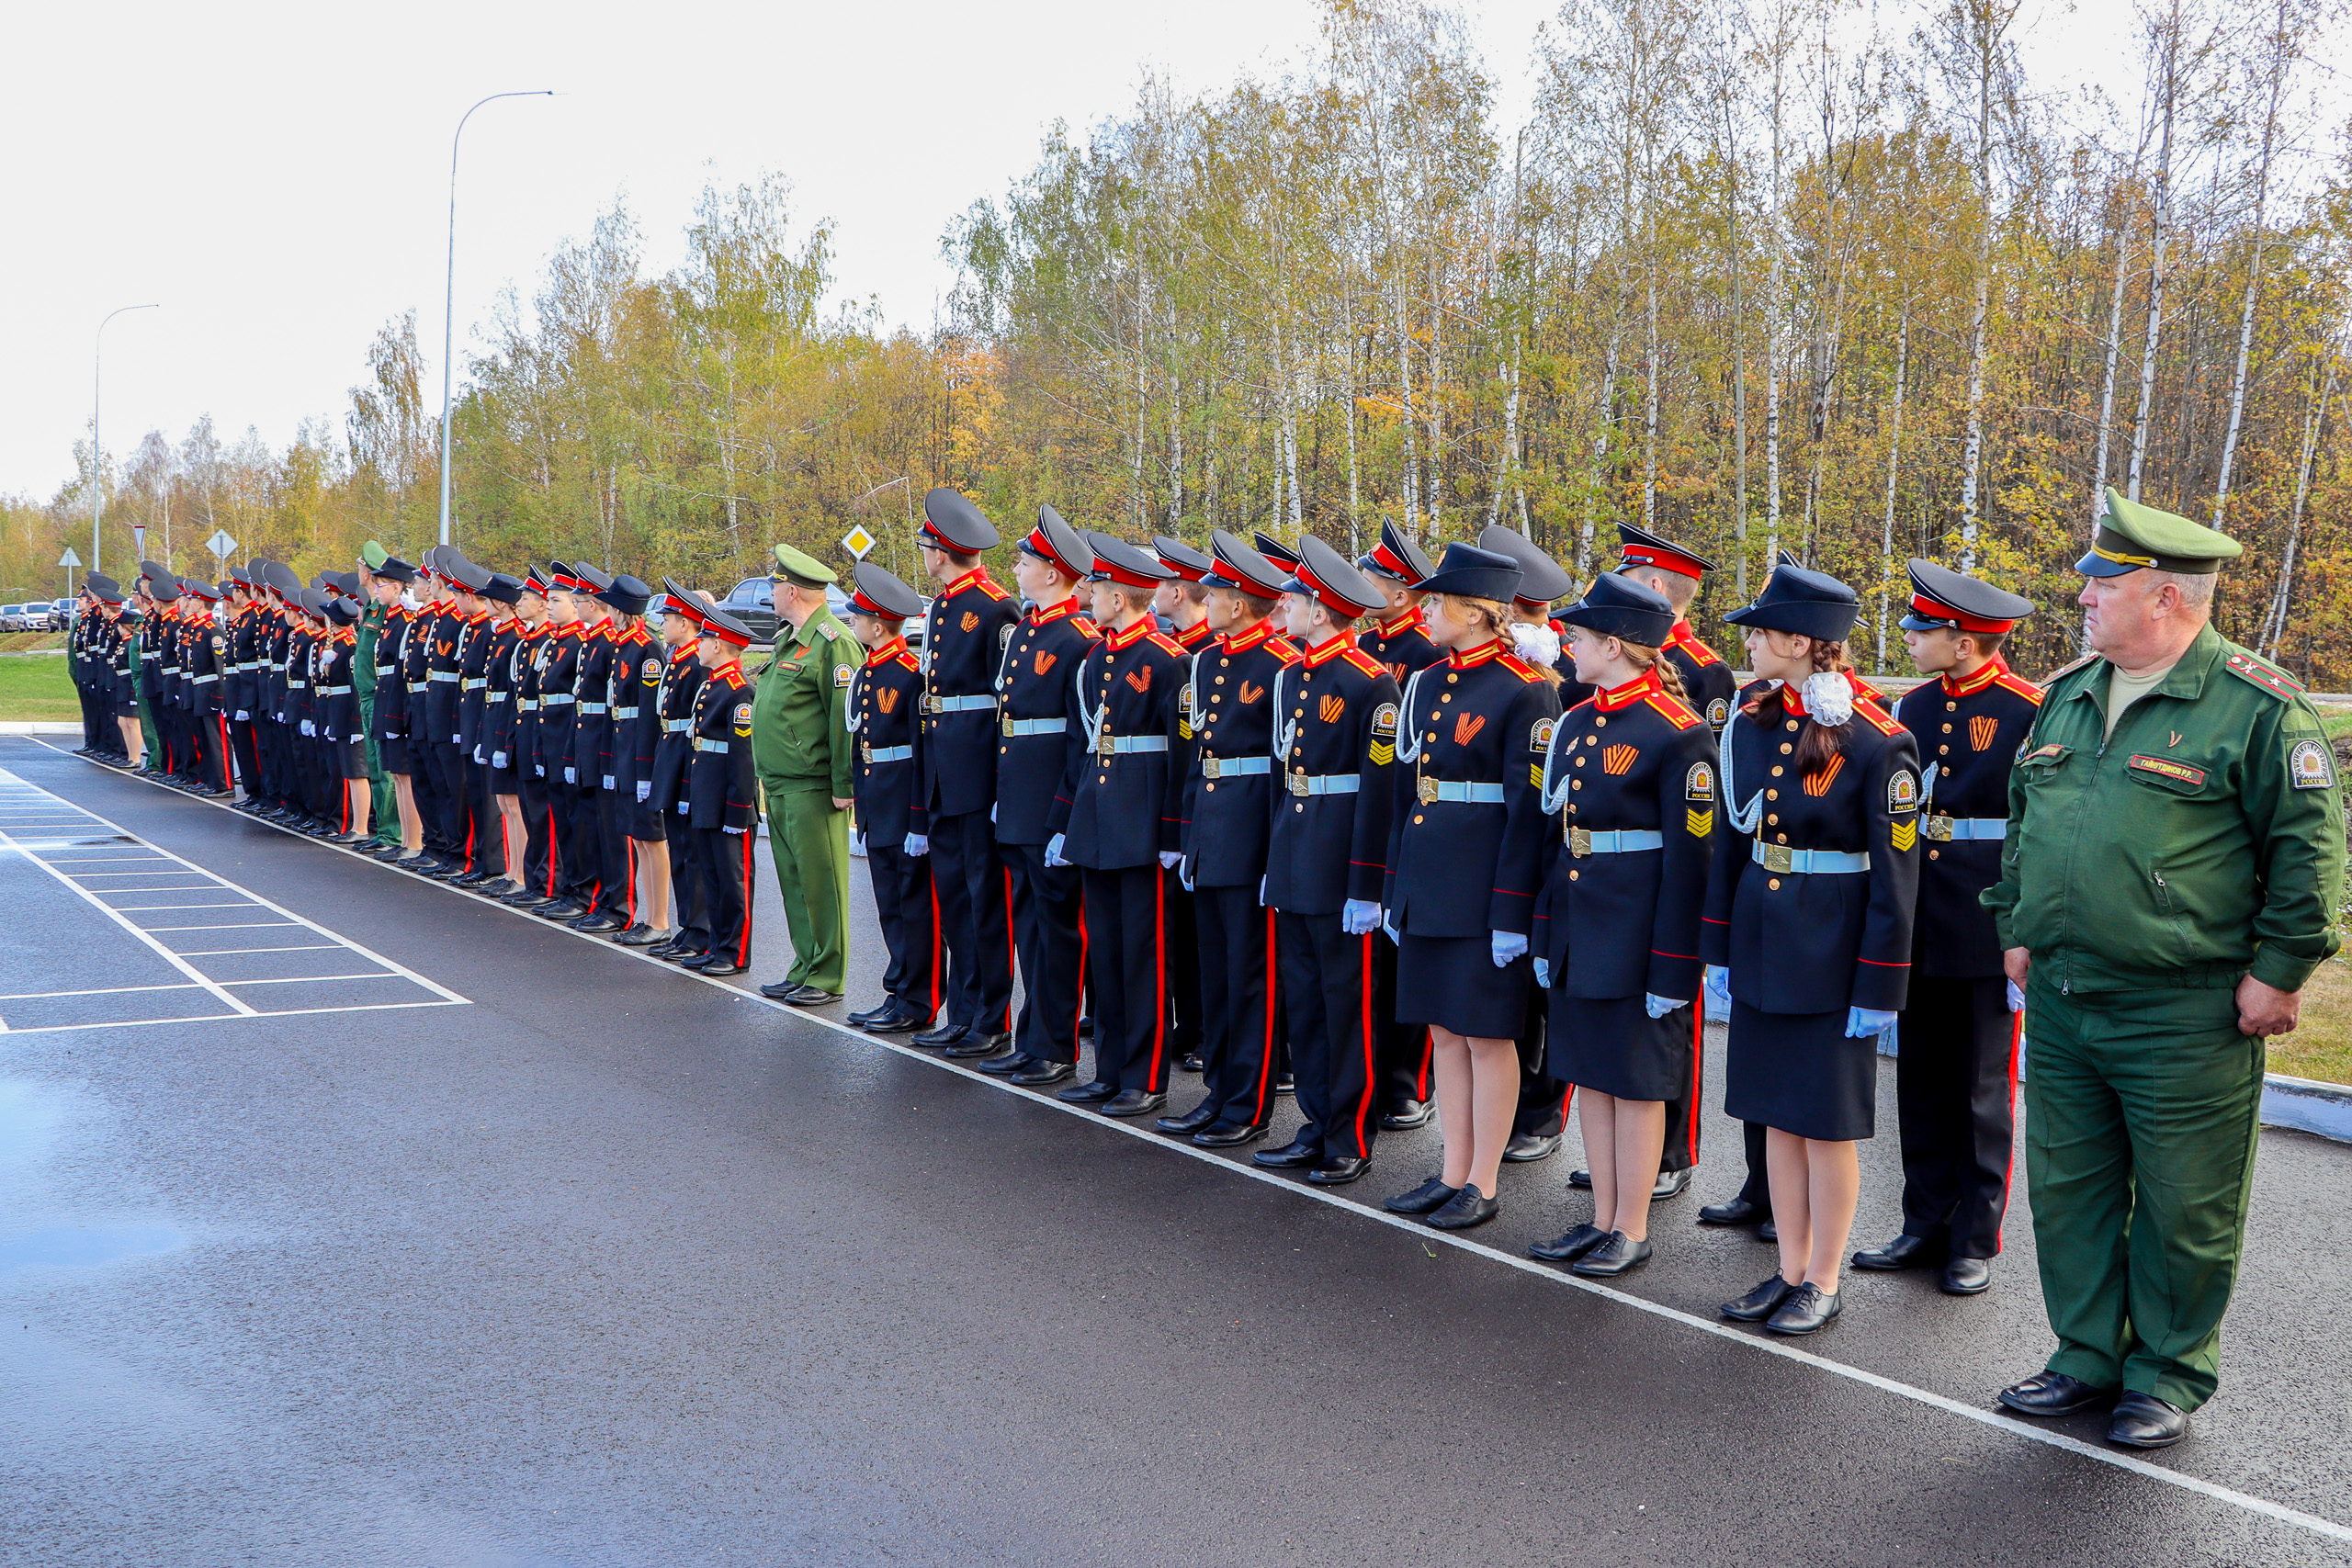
<point>1323,783</point>
<point>677,725</point>
<point>890,753</point>
<point>957,704</point>
<point>334,690</point>
<point>203,679</point>
<point>1954,830</point>
<point>1613,842</point>
<point>591,707</point>
<point>1455,789</point>
<point>554,699</point>
<point>171,669</point>
<point>1809,863</point>
<point>1234,767</point>
<point>1126,744</point>
<point>624,713</point>
<point>476,684</point>
<point>529,705</point>
<point>496,697</point>
<point>441,674</point>
<point>1014,726</point>
<point>413,687</point>
<point>702,745</point>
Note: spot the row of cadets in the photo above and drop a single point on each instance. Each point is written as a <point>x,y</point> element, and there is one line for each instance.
<point>1037,712</point>
<point>102,628</point>
<point>667,797</point>
<point>881,711</point>
<point>722,793</point>
<point>965,632</point>
<point>1180,609</point>
<point>1225,717</point>
<point>1334,745</point>
<point>1122,830</point>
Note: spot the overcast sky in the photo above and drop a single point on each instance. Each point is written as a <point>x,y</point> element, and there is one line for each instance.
<point>277,175</point>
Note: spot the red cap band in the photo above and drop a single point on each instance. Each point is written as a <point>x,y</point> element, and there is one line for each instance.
<point>1936,610</point>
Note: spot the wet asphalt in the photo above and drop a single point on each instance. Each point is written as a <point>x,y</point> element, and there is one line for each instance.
<point>611,1265</point>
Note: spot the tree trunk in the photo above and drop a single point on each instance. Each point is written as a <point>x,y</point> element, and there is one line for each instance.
<point>1893,463</point>
<point>2275,623</point>
<point>1972,447</point>
<point>2279,60</point>
<point>2170,90</point>
<point>2114,356</point>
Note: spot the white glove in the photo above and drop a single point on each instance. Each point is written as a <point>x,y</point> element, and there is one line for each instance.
<point>991,812</point>
<point>245,715</point>
<point>1543,973</point>
<point>2017,995</point>
<point>538,769</point>
<point>1054,849</point>
<point>1508,945</point>
<point>1388,925</point>
<point>736,829</point>
<point>498,759</point>
<point>1719,982</point>
<point>644,790</point>
<point>1168,858</point>
<point>608,781</point>
<point>1262,893</point>
<point>309,728</point>
<point>1863,1023</point>
<point>571,776</point>
<point>1657,1006</point>
<point>918,844</point>
<point>1360,917</point>
<point>1185,872</point>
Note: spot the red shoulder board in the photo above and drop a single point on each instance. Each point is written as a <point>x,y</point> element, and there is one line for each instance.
<point>1877,715</point>
<point>988,587</point>
<point>1701,654</point>
<point>1676,713</point>
<point>1362,661</point>
<point>1864,690</point>
<point>2018,684</point>
<point>910,660</point>
<point>2258,671</point>
<point>1284,650</point>
<point>1086,626</point>
<point>1519,667</point>
<point>1167,644</point>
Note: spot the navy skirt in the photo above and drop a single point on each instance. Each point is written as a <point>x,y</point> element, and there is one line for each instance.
<point>645,822</point>
<point>1614,1046</point>
<point>391,752</point>
<point>1798,1072</point>
<point>347,759</point>
<point>1451,982</point>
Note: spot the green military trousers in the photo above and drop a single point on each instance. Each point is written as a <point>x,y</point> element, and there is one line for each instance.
<point>810,843</point>
<point>384,826</point>
<point>2141,1115</point>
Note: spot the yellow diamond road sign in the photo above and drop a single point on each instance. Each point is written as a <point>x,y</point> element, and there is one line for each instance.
<point>857,541</point>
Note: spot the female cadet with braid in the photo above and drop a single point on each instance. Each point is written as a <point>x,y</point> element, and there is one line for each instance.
<point>1817,862</point>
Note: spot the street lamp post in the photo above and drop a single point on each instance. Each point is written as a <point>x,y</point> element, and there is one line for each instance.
<point>97,447</point>
<point>449,297</point>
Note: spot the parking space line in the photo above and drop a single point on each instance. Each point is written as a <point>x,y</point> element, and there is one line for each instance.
<point>232,1018</point>
<point>98,991</point>
<point>238,952</point>
<point>311,979</point>
<point>151,908</point>
<point>173,959</point>
<point>245,926</point>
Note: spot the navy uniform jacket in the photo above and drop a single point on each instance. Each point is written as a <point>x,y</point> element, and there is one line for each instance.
<point>294,699</point>
<point>674,707</point>
<point>1813,943</point>
<point>208,665</point>
<point>392,672</point>
<point>559,670</point>
<point>1402,644</point>
<point>416,678</point>
<point>591,722</point>
<point>443,627</point>
<point>522,737</point>
<point>1226,817</point>
<point>884,711</point>
<point>475,639</point>
<point>638,661</point>
<point>337,710</point>
<point>1708,679</point>
<point>1463,868</point>
<point>722,790</point>
<point>965,631</point>
<point>1968,735</point>
<point>497,733</point>
<point>1328,845</point>
<point>1034,686</point>
<point>1626,924</point>
<point>1123,809</point>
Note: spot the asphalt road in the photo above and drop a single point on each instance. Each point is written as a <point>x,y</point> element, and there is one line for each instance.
<point>512,1249</point>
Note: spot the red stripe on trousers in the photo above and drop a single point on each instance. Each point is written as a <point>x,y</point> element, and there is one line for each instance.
<point>552,868</point>
<point>1078,1014</point>
<point>1012,945</point>
<point>932,882</point>
<point>2017,1033</point>
<point>743,943</point>
<point>1371,1049</point>
<point>1159,973</point>
<point>1698,1067</point>
<point>1266,1054</point>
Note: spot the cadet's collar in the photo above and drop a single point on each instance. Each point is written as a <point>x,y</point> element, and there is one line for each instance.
<point>1681,636</point>
<point>477,617</point>
<point>1249,639</point>
<point>1985,674</point>
<point>1054,611</point>
<point>1134,634</point>
<point>687,649</point>
<point>977,574</point>
<point>1485,653</point>
<point>1631,692</point>
<point>1405,620</point>
<point>1187,638</point>
<point>886,653</point>
<point>734,662</point>
<point>1323,653</point>
<point>1792,701</point>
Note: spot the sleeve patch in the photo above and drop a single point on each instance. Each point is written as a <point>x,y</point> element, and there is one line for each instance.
<point>742,718</point>
<point>1383,752</point>
<point>1384,721</point>
<point>1719,713</point>
<point>1538,736</point>
<point>1003,636</point>
<point>1902,793</point>
<point>1699,784</point>
<point>1904,836</point>
<point>1700,823</point>
<point>2309,765</point>
<point>841,674</point>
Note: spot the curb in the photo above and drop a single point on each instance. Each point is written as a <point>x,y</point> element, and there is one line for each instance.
<point>37,727</point>
<point>2307,1105</point>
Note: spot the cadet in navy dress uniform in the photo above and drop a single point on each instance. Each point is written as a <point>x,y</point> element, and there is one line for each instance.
<point>494,740</point>
<point>881,710</point>
<point>1181,605</point>
<point>477,812</point>
<point>1955,1080</point>
<point>596,830</point>
<point>1038,706</point>
<point>1629,774</point>
<point>1123,832</point>
<point>343,744</point>
<point>1463,867</point>
<point>533,651</point>
<point>723,792</point>
<point>559,693</point>
<point>638,663</point>
<point>1226,790</point>
<point>965,633</point>
<point>682,679</point>
<point>1335,758</point>
<point>1817,864</point>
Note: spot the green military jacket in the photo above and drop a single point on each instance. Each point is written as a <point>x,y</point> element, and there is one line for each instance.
<point>798,741</point>
<point>2203,841</point>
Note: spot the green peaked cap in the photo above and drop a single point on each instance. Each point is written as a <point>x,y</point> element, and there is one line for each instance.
<point>801,568</point>
<point>2131,536</point>
<point>375,555</point>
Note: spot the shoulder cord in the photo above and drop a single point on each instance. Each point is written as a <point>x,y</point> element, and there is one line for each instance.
<point>1003,652</point>
<point>1285,730</point>
<point>1087,718</point>
<point>1742,820</point>
<point>1552,800</point>
<point>1410,752</point>
<point>1928,787</point>
<point>852,720</point>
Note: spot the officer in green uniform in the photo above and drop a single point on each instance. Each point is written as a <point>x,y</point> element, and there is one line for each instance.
<point>2175,849</point>
<point>387,816</point>
<point>800,748</point>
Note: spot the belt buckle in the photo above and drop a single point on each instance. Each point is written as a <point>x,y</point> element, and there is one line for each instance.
<point>1008,727</point>
<point>1106,745</point>
<point>1209,768</point>
<point>1779,857</point>
<point>867,747</point>
<point>1580,841</point>
<point>929,703</point>
<point>1296,782</point>
<point>1937,827</point>
<point>1425,790</point>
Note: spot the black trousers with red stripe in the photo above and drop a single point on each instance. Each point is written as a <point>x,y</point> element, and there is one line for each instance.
<point>1955,1087</point>
<point>1187,1031</point>
<point>1045,928</point>
<point>580,859</point>
<point>617,866</point>
<point>1239,1024</point>
<point>976,920</point>
<point>1333,998</point>
<point>726,860</point>
<point>909,915</point>
<point>1126,965</point>
<point>689,887</point>
<point>246,749</point>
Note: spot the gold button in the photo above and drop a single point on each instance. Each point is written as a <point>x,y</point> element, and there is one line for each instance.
<point>1417,820</point>
<point>1791,725</point>
<point>1779,837</point>
<point>1572,876</point>
<point>1775,769</point>
<point>1211,788</point>
<point>1446,697</point>
<point>1450,679</point>
<point>1224,663</point>
<point>1576,784</point>
<point>1946,729</point>
<point>1597,721</point>
<point>1786,748</point>
<point>1935,854</point>
<point>1774,820</point>
<point>1298,807</point>
<point>1950,707</point>
<point>1771,795</point>
<point>1774,885</point>
<point>1572,810</point>
<point>1103,778</point>
<point>1433,734</point>
<point>1220,681</point>
<point>1942,748</point>
<point>1580,762</point>
<point>1003,751</point>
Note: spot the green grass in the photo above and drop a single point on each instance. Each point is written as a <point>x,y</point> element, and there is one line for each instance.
<point>2320,1046</point>
<point>37,688</point>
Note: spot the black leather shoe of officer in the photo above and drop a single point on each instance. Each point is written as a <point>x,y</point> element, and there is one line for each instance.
<point>471,879</point>
<point>1569,1247</point>
<point>977,1044</point>
<point>2053,1394</point>
<point>1005,1066</point>
<point>1737,1212</point>
<point>696,961</point>
<point>1670,1184</point>
<point>1430,1195</point>
<point>714,966</point>
<point>523,899</point>
<point>905,1020</point>
<point>946,1035</point>
<point>1618,1254</point>
<point>1760,1302</point>
<point>1285,1084</point>
<point>1340,1170</point>
<point>1229,1134</point>
<point>1192,1062</point>
<point>1966,1276</point>
<point>1087,1093</point>
<point>1295,1155</point>
<point>1039,1073</point>
<point>810,997</point>
<point>864,1016</point>
<point>639,935</point>
<point>595,924</point>
<point>2143,1421</point>
<point>1808,1310</point>
<point>1526,1148</point>
<point>777,990</point>
<point>1466,1208</point>
<point>1192,1121</point>
<point>1408,1114</point>
<point>1906,1251</point>
<point>1132,1102</point>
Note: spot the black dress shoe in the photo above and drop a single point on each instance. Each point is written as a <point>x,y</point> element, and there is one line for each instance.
<point>1192,1062</point>
<point>1670,1184</point>
<point>471,879</point>
<point>1808,1310</point>
<point>715,966</point>
<point>1569,1247</point>
<point>594,924</point>
<point>639,935</point>
<point>1086,1027</point>
<point>1760,1302</point>
<point>946,1035</point>
<point>865,1016</point>
<point>1466,1208</point>
<point>1005,1066</point>
<point>899,1022</point>
<point>1229,1134</point>
<point>1040,1073</point>
<point>2143,1421</point>
<point>522,899</point>
<point>1087,1093</point>
<point>1906,1251</point>
<point>1431,1194</point>
<point>2053,1394</point>
<point>1737,1212</point>
<point>1340,1170</point>
<point>1132,1102</point>
<point>1297,1155</point>
<point>560,909</point>
<point>1526,1148</point>
<point>1285,1083</point>
<point>1966,1277</point>
<point>811,996</point>
<point>1768,1231</point>
<point>1615,1256</point>
<point>1580,1180</point>
<point>977,1044</point>
<point>777,990</point>
<point>1408,1114</point>
<point>1192,1121</point>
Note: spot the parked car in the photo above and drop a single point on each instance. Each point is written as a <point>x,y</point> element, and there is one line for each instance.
<point>13,618</point>
<point>753,602</point>
<point>60,613</point>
